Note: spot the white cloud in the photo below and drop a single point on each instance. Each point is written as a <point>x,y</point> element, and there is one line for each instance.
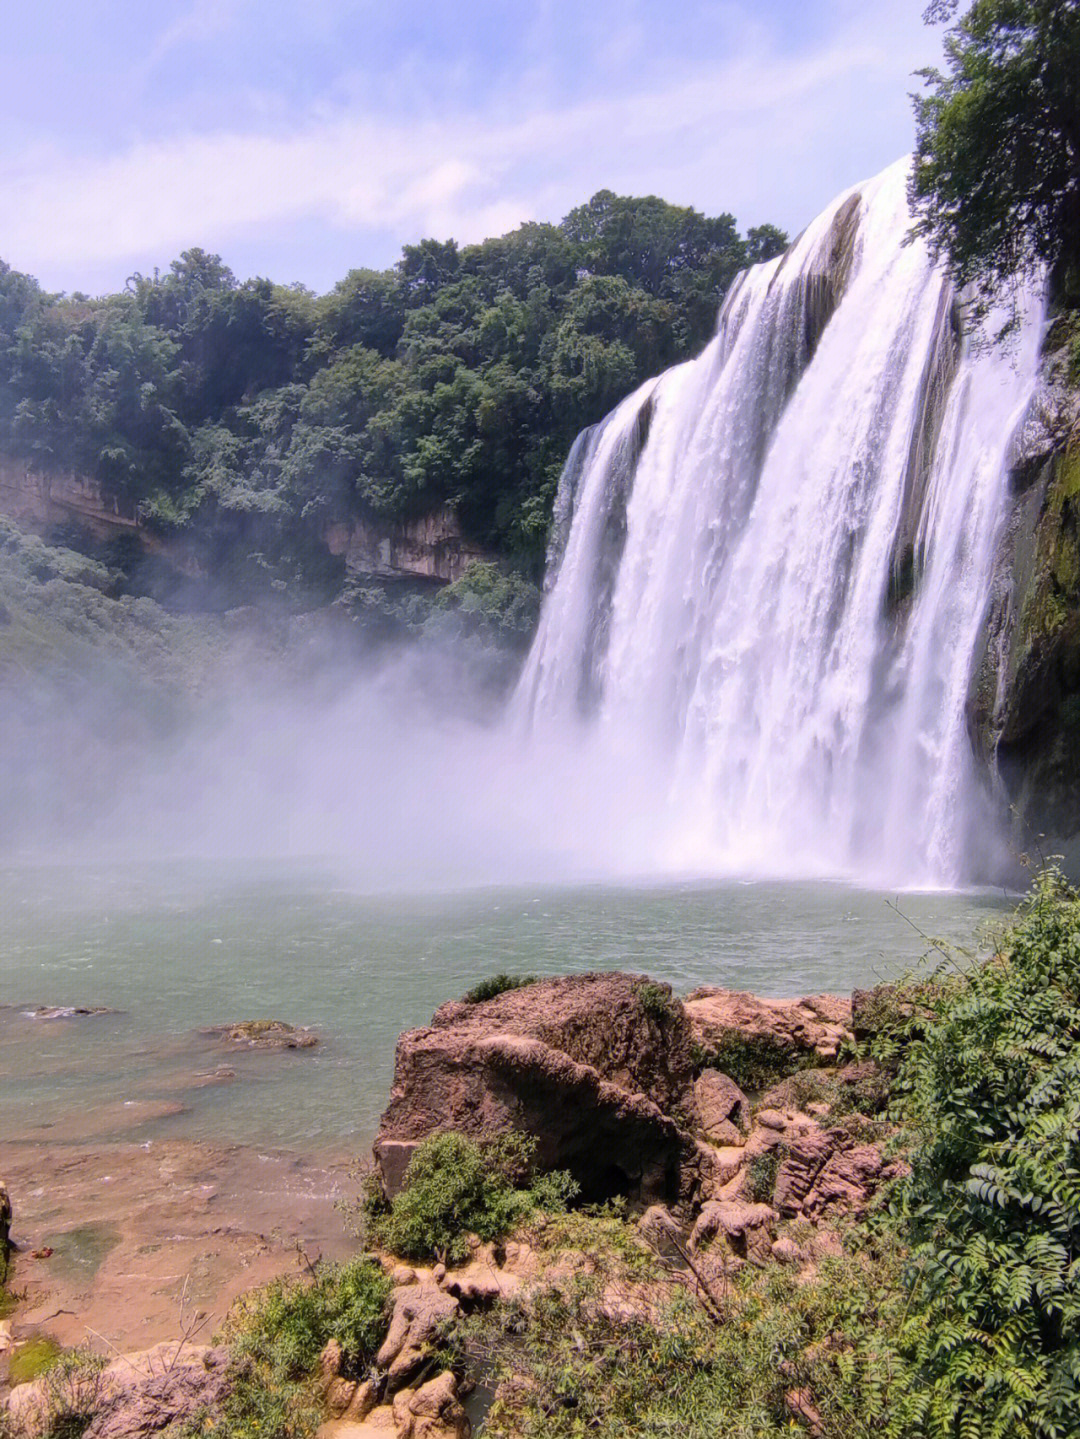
<point>769,137</point>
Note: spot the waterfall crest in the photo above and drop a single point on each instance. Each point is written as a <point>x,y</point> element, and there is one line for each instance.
<point>769,567</point>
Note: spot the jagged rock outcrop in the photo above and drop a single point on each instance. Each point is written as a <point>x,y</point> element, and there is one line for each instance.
<point>44,501</point>
<point>7,1214</point>
<point>420,1310</point>
<point>582,1064</point>
<point>724,1020</point>
<point>432,547</point>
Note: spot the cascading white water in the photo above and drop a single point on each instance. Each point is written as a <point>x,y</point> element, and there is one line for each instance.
<point>773,562</point>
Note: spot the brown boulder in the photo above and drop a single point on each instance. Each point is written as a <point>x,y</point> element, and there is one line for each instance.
<point>580,1063</point>
<point>432,1412</point>
<point>746,1228</point>
<point>721,1108</point>
<point>420,1310</point>
<point>825,1171</point>
<point>806,1153</point>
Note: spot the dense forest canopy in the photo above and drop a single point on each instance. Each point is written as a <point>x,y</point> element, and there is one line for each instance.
<point>250,414</point>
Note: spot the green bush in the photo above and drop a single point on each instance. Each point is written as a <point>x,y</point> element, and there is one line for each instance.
<point>496,985</point>
<point>276,1335</point>
<point>287,1324</point>
<point>455,1186</point>
<point>761,1175</point>
<point>754,1062</point>
<point>672,1370</point>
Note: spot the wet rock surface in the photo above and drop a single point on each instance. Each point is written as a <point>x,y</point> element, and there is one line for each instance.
<point>128,1225</point>
<point>266,1034</point>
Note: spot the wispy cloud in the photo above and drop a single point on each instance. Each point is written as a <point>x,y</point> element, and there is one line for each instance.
<point>748,133</point>
<point>201,21</point>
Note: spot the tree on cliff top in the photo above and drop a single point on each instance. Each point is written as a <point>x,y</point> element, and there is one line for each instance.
<point>995,185</point>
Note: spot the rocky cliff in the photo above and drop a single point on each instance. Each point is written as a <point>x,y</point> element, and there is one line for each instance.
<point>1024,700</point>
<point>63,506</point>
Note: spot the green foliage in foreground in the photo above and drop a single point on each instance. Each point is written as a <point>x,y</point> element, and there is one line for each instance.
<point>996,181</point>
<point>455,1187</point>
<point>679,1372</point>
<point>992,1209</point>
<point>277,1334</point>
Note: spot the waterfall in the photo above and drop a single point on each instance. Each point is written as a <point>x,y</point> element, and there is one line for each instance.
<point>770,565</point>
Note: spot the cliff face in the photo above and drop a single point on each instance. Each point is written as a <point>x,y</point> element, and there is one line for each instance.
<point>49,503</point>
<point>43,502</point>
<point>1024,700</point>
<point>432,547</point>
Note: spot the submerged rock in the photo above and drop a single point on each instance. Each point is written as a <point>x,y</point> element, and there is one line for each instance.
<point>266,1034</point>
<point>69,1011</point>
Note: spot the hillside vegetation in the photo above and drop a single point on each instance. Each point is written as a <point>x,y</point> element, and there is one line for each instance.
<point>249,415</point>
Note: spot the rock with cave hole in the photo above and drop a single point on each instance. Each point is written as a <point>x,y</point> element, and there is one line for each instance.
<point>595,1075</point>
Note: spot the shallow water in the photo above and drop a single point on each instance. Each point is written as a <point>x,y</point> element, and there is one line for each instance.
<point>178,949</point>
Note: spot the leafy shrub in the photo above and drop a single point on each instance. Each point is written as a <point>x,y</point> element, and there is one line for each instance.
<point>276,1335</point>
<point>657,1001</point>
<point>286,1325</point>
<point>672,1370</point>
<point>496,985</point>
<point>761,1176</point>
<point>455,1186</point>
<point>991,1090</point>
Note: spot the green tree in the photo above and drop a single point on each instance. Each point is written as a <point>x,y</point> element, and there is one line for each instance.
<point>995,185</point>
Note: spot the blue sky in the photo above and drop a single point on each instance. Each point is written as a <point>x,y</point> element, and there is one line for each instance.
<point>300,138</point>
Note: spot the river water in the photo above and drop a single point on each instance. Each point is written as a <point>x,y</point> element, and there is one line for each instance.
<point>178,948</point>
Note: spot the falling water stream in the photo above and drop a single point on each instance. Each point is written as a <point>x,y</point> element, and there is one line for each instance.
<point>777,559</point>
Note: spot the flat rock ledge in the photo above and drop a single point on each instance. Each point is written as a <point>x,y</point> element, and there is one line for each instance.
<point>138,1394</point>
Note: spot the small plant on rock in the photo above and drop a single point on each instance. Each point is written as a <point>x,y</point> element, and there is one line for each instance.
<point>496,985</point>
<point>455,1186</point>
<point>761,1174</point>
<point>657,1001</point>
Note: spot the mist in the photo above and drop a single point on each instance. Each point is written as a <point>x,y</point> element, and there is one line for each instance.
<point>401,770</point>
